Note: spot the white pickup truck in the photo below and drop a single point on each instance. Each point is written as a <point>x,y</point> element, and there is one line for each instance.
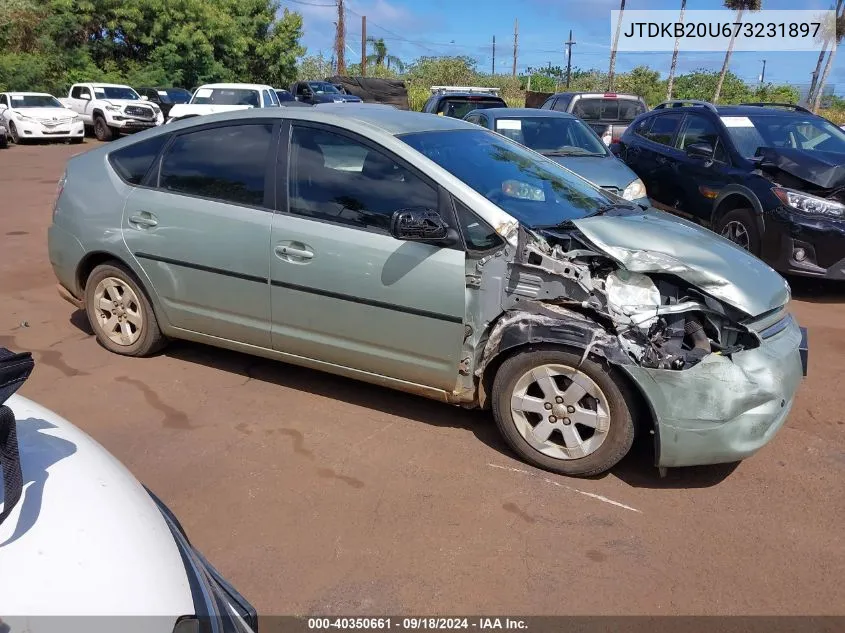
<point>212,98</point>
<point>111,109</point>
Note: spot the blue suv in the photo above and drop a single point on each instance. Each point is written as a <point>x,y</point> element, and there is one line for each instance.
<point>769,177</point>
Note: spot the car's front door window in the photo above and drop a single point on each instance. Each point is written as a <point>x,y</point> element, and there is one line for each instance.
<point>663,128</point>
<point>339,179</point>
<point>698,129</point>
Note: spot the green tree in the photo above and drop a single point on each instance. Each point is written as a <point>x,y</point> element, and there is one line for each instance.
<point>740,6</point>
<point>380,56</point>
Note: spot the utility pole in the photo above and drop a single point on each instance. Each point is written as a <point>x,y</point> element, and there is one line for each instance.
<point>363,45</point>
<point>515,42</point>
<point>569,45</point>
<point>494,56</point>
<point>340,40</point>
<point>763,74</point>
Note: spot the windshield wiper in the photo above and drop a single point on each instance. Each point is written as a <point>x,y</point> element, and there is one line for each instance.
<point>563,152</point>
<point>630,206</point>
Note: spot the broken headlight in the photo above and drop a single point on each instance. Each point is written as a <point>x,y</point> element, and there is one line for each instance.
<point>633,295</point>
<point>806,203</point>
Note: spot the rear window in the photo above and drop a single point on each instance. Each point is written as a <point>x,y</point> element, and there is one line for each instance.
<point>624,110</point>
<point>134,161</point>
<point>459,107</point>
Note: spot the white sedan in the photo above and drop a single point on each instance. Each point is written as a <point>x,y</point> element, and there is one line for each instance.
<point>38,115</point>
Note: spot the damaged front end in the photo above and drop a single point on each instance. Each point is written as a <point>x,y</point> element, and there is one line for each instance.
<point>717,389</point>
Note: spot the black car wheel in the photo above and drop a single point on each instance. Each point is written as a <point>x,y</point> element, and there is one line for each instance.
<point>740,227</point>
<point>13,133</point>
<point>101,129</point>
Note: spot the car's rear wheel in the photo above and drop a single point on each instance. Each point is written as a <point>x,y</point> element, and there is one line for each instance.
<point>560,414</point>
<point>102,130</point>
<point>120,312</point>
<point>740,227</point>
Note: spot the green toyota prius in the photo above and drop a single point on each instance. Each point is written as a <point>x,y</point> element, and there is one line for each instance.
<point>433,256</point>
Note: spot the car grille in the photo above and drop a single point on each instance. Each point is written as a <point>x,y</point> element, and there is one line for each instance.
<point>53,122</point>
<point>139,111</point>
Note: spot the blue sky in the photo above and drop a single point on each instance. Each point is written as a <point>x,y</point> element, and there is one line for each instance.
<point>413,28</point>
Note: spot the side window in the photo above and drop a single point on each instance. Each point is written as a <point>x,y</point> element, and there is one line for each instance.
<point>300,88</point>
<point>483,121</point>
<point>84,91</point>
<point>548,104</point>
<point>134,161</point>
<point>478,235</point>
<point>223,163</point>
<point>274,98</point>
<point>663,128</point>
<point>76,92</point>
<point>336,178</point>
<point>266,101</point>
<point>473,118</point>
<point>3,100</point>
<point>561,104</point>
<point>698,129</point>
<point>429,105</point>
<point>642,127</point>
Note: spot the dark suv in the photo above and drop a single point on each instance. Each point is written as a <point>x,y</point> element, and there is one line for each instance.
<point>769,177</point>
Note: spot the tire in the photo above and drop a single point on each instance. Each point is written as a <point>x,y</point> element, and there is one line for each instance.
<point>4,142</point>
<point>102,131</point>
<point>572,447</point>
<point>131,329</point>
<point>13,134</point>
<point>740,227</point>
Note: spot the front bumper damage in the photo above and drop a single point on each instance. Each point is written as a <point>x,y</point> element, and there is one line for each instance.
<point>717,382</point>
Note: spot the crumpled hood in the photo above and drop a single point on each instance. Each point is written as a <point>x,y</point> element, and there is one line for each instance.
<point>85,538</point>
<point>604,171</point>
<point>821,169</point>
<point>183,109</point>
<point>656,242</point>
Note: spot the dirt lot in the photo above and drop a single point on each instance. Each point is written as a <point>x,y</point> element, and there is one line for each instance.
<point>315,494</point>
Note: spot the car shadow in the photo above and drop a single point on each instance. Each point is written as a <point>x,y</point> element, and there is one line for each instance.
<point>39,451</point>
<point>636,469</point>
<point>817,290</point>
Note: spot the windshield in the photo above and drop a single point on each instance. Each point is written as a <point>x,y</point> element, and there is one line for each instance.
<point>595,109</point>
<point>174,95</point>
<point>323,87</point>
<point>459,107</point>
<point>783,130</point>
<point>535,190</point>
<point>227,96</point>
<point>552,135</point>
<point>34,101</point>
<point>115,92</point>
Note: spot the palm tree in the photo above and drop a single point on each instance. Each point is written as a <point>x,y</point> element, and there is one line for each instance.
<point>827,37</point>
<point>740,6</point>
<point>615,43</point>
<point>840,31</point>
<point>380,56</point>
<point>675,55</point>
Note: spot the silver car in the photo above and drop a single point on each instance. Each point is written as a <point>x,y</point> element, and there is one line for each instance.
<point>433,256</point>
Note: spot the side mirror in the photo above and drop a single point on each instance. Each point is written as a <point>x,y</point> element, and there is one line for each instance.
<point>85,96</point>
<point>702,151</point>
<point>144,98</point>
<point>422,225</point>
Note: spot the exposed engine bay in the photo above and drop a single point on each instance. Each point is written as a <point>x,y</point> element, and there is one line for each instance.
<point>653,320</point>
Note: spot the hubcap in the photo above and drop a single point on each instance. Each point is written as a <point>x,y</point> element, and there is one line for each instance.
<point>737,233</point>
<point>118,311</point>
<point>560,411</point>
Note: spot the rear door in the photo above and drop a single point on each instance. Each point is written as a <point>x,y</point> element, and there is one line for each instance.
<point>657,159</point>
<point>344,291</point>
<point>699,181</point>
<point>199,228</point>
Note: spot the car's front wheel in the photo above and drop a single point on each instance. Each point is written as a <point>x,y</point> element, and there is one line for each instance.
<point>560,414</point>
<point>102,131</point>
<point>120,312</point>
<point>740,227</point>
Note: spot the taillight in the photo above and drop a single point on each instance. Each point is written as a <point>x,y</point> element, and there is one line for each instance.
<point>60,186</point>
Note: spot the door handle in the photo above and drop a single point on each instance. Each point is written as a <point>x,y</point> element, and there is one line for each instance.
<point>143,220</point>
<point>294,251</point>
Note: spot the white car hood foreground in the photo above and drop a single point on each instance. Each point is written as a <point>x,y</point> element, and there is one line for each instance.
<point>185,109</point>
<point>656,242</point>
<point>85,539</point>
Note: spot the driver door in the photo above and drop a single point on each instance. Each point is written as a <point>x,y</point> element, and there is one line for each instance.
<point>343,290</point>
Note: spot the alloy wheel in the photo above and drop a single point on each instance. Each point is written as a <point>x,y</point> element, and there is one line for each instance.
<point>118,311</point>
<point>737,233</point>
<point>560,411</point>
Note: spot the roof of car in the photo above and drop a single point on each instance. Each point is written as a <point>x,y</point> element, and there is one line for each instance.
<point>390,120</point>
<point>28,94</point>
<point>746,110</point>
<point>503,113</point>
<point>103,84</point>
<point>479,95</point>
<point>616,95</point>
<point>235,86</point>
